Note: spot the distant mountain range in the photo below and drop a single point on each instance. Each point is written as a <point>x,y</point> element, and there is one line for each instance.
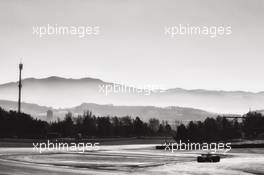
<point>64,93</point>
<point>144,112</point>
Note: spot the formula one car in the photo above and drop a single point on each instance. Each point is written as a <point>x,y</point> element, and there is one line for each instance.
<point>208,158</point>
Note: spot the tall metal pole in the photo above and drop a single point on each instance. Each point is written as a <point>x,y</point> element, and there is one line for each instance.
<point>19,87</point>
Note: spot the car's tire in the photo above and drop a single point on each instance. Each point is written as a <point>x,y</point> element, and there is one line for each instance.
<point>199,159</point>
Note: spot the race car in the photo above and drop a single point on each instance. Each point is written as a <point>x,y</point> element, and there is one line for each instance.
<point>208,158</point>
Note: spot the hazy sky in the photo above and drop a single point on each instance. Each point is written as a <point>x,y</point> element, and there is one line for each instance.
<point>132,47</point>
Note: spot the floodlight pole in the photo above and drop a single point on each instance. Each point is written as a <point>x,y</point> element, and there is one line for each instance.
<point>19,87</point>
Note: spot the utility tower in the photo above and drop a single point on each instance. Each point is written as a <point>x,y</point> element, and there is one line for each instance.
<point>19,87</point>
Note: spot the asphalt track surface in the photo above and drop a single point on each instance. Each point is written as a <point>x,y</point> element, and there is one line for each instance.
<point>126,159</point>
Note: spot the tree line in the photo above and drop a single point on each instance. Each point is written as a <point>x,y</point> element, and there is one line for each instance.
<point>88,125</point>
<point>223,129</point>
<point>20,125</point>
<point>13,124</point>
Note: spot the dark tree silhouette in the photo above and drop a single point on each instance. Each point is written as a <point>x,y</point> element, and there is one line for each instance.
<point>20,125</point>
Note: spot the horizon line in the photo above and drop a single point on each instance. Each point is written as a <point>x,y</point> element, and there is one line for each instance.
<point>178,88</point>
